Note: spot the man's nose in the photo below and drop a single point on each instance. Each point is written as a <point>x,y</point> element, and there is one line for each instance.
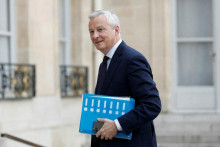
<point>96,34</point>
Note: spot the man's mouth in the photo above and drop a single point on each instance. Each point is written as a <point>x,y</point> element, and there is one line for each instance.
<point>97,42</point>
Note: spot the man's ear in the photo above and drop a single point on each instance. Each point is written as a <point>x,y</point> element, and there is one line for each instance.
<point>117,30</point>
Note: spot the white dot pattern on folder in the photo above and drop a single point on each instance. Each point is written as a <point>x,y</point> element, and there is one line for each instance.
<point>92,105</point>
<point>86,104</point>
<point>98,110</point>
<point>104,106</point>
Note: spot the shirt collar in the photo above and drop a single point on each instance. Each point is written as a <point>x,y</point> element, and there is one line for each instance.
<point>113,49</point>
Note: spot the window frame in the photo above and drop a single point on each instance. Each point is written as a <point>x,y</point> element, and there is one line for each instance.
<point>66,39</point>
<point>216,46</point>
<point>11,33</point>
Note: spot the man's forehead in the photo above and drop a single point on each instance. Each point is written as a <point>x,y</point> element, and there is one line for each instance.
<point>97,24</point>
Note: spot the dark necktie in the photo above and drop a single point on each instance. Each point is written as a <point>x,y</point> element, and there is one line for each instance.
<point>102,73</point>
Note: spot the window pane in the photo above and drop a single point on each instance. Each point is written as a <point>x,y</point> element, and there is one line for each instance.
<point>4,49</point>
<point>194,18</point>
<point>61,18</point>
<point>195,64</point>
<point>4,15</point>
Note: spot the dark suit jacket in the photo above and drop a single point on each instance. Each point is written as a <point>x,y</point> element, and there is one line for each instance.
<point>129,74</point>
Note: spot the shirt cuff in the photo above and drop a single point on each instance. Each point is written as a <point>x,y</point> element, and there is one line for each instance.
<point>118,125</point>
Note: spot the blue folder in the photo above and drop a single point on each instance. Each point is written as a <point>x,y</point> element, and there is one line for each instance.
<point>100,106</point>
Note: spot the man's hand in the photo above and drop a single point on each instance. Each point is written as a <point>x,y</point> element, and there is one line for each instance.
<point>108,130</point>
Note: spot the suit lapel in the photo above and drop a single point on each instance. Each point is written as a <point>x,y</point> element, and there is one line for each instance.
<point>115,61</point>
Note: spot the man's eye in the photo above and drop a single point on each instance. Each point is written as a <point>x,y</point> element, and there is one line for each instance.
<point>101,30</point>
<point>91,32</point>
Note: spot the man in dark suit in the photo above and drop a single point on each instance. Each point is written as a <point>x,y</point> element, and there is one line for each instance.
<point>123,72</point>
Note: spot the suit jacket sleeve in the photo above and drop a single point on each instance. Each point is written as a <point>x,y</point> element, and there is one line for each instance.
<point>143,90</point>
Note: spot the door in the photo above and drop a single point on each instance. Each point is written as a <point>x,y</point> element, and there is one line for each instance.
<point>194,54</point>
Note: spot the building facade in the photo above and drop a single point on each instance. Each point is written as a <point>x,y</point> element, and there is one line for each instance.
<point>179,38</point>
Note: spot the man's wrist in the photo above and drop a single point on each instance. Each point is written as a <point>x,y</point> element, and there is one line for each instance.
<point>118,125</point>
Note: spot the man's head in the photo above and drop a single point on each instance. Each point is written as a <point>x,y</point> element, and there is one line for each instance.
<point>104,28</point>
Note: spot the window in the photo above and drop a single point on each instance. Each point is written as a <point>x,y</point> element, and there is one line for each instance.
<point>195,39</point>
<point>194,48</point>
<point>7,32</point>
<point>64,32</point>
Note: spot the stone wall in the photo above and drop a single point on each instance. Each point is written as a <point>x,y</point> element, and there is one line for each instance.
<point>47,119</point>
<point>50,120</point>
<point>145,26</point>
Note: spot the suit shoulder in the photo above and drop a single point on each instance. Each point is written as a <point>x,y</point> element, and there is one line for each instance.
<point>132,53</point>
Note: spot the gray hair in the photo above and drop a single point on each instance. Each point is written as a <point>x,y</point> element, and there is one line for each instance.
<point>111,17</point>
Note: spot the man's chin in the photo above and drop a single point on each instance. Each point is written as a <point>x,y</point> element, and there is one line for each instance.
<point>99,48</point>
<point>103,50</point>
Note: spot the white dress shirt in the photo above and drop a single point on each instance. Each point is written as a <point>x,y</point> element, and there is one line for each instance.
<point>112,51</point>
<point>110,55</point>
